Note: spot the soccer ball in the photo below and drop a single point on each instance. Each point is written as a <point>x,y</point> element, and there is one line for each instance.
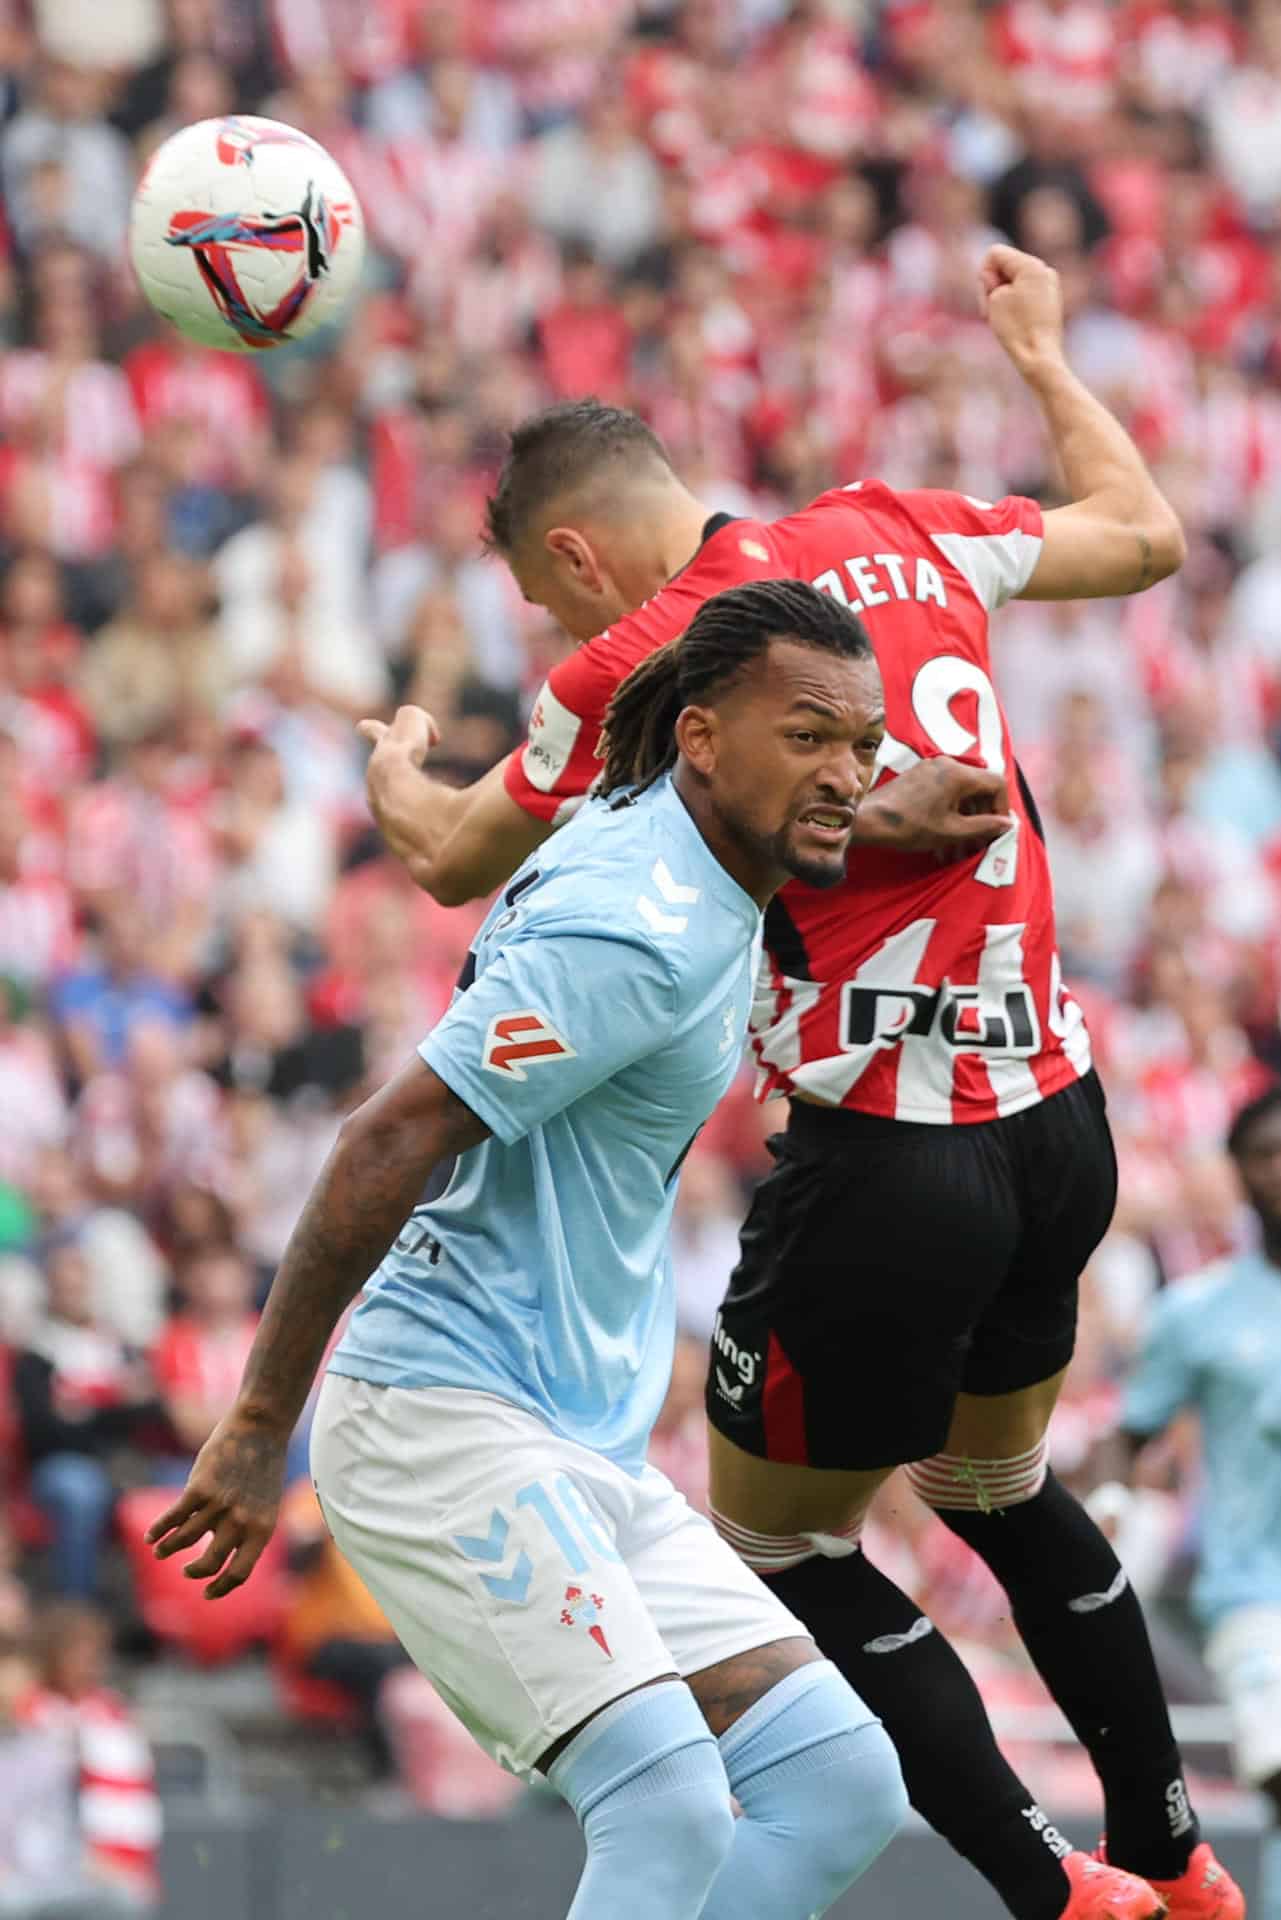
<point>246,234</point>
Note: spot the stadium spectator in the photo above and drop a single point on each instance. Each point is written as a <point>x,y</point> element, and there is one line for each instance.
<point>274,853</point>
<point>65,170</point>
<point>128,1274</point>
<point>80,1396</point>
<point>158,659</point>
<point>33,1109</point>
<point>118,1809</point>
<point>200,1355</point>
<point>41,1853</point>
<point>142,1128</point>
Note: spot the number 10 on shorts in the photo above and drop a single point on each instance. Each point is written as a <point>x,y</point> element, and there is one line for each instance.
<point>567,1520</point>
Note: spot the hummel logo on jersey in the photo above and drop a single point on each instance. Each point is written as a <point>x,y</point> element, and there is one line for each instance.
<point>729,1027</point>
<point>673,894</point>
<point>523,1039</point>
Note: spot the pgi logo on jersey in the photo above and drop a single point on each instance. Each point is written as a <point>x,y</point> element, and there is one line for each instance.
<point>525,1038</point>
<point>584,1609</point>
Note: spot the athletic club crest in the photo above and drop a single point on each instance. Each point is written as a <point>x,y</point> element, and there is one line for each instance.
<point>584,1609</point>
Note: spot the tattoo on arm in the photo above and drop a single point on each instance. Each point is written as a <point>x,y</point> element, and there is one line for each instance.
<point>367,1189</point>
<point>1146,568</point>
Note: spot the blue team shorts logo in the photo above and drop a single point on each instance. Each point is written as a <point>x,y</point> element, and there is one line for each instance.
<point>525,1038</point>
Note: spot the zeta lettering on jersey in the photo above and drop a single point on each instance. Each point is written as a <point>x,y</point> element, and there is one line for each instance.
<point>524,1038</point>
<point>875,589</point>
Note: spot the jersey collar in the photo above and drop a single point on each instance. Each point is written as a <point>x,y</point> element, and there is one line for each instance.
<point>714,524</point>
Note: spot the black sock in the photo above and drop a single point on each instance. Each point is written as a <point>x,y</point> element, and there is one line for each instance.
<point>957,1777</point>
<point>1084,1628</point>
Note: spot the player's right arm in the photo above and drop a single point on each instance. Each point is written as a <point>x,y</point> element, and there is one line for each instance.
<point>1120,534</point>
<point>366,1191</point>
<point>459,843</point>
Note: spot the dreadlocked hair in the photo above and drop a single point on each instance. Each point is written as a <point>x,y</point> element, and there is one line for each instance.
<point>729,632</point>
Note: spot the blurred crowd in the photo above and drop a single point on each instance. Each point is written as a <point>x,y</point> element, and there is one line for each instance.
<point>757,222</point>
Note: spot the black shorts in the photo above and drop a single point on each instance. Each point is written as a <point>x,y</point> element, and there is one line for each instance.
<point>887,1266</point>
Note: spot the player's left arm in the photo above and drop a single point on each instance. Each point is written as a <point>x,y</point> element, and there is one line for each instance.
<point>366,1191</point>
<point>1120,534</point>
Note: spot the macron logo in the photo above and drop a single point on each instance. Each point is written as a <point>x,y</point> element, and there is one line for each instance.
<point>523,1039</point>
<point>673,895</point>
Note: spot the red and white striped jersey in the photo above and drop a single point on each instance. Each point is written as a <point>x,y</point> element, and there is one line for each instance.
<point>121,1819</point>
<point>914,990</point>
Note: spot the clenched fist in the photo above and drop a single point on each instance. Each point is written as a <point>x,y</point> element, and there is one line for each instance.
<point>1022,302</point>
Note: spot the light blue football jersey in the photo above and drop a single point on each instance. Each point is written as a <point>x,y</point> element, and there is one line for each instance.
<point>602,1020</point>
<point>1214,1344</point>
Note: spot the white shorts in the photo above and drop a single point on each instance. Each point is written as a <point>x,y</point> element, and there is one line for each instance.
<point>1244,1655</point>
<point>530,1579</point>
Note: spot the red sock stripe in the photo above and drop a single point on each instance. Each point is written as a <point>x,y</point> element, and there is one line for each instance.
<point>951,1480</point>
<point>775,1552</point>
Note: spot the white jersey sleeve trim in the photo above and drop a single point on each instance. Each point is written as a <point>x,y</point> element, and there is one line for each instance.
<point>996,565</point>
<point>553,732</point>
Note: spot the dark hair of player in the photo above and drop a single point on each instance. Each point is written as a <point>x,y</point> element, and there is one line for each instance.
<point>566,446</point>
<point>1257,1109</point>
<point>726,635</point>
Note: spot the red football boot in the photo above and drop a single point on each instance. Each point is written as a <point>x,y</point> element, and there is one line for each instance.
<point>1102,1892</point>
<point>1203,1891</point>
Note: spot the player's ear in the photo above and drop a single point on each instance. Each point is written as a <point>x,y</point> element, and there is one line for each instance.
<point>569,546</point>
<point>697,736</point>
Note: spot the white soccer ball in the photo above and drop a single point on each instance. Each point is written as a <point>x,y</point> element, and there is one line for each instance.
<point>246,234</point>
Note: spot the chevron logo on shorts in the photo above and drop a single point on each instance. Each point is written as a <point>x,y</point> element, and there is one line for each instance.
<point>491,1551</point>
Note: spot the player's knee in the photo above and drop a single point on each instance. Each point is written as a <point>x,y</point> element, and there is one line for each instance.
<point>649,1787</point>
<point>865,1803</point>
<point>675,1840</point>
<point>876,1792</point>
<point>811,1768</point>
<point>693,1828</point>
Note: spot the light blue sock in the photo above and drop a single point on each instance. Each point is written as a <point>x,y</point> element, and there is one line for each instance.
<point>821,1791</point>
<point>647,1782</point>
<point>1270,1876</point>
